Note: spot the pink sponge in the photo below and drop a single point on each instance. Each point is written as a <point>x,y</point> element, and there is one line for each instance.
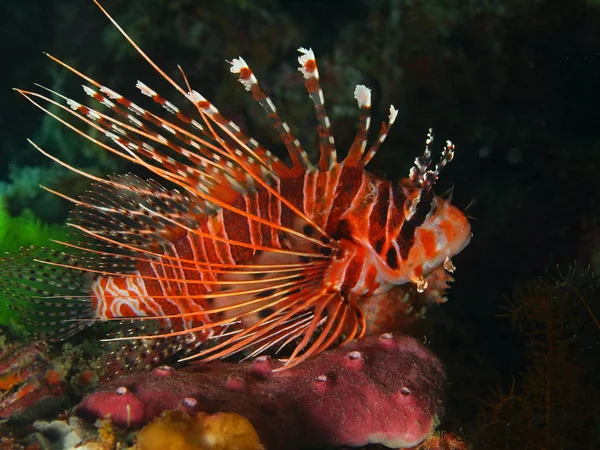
<point>385,389</point>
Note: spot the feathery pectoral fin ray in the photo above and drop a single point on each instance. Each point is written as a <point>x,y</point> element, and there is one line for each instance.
<point>47,297</point>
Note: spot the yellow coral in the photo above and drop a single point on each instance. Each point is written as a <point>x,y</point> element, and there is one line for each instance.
<point>106,433</point>
<point>176,430</point>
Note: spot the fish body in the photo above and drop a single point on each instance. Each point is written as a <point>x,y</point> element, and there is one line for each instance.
<point>246,252</point>
<point>370,260</point>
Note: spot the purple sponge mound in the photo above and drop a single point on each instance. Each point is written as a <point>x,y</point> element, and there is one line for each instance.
<point>386,389</point>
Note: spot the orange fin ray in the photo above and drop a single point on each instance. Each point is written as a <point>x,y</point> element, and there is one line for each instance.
<point>282,304</point>
<point>325,336</point>
<point>336,333</point>
<point>315,322</point>
<point>297,304</point>
<point>139,50</point>
<point>282,337</point>
<point>268,160</point>
<point>209,175</point>
<point>124,241</point>
<point>129,110</point>
<point>272,295</point>
<point>325,329</point>
<point>125,107</point>
<point>321,340</point>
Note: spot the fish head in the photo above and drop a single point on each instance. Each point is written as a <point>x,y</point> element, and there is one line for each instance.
<point>444,232</point>
<point>426,231</point>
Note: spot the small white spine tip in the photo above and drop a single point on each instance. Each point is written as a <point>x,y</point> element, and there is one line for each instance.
<point>111,135</point>
<point>109,92</point>
<point>306,53</point>
<point>237,64</point>
<point>413,174</point>
<point>303,59</point>
<point>195,97</point>
<point>145,89</point>
<point>393,114</point>
<point>89,91</point>
<point>362,94</point>
<point>73,104</point>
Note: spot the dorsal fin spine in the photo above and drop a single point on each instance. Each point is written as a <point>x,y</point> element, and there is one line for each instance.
<point>177,179</point>
<point>362,94</point>
<point>383,132</point>
<point>310,72</point>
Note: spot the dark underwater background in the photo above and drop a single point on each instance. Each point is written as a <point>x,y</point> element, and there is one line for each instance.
<point>515,84</point>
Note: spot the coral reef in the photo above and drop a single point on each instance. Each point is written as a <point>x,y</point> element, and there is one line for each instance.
<point>385,389</point>
<point>10,443</point>
<point>39,380</point>
<point>72,433</point>
<point>173,430</point>
<point>28,378</point>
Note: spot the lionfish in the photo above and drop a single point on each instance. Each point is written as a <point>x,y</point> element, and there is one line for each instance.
<point>236,251</point>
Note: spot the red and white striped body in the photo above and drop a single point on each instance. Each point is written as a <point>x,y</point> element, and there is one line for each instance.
<point>364,213</point>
